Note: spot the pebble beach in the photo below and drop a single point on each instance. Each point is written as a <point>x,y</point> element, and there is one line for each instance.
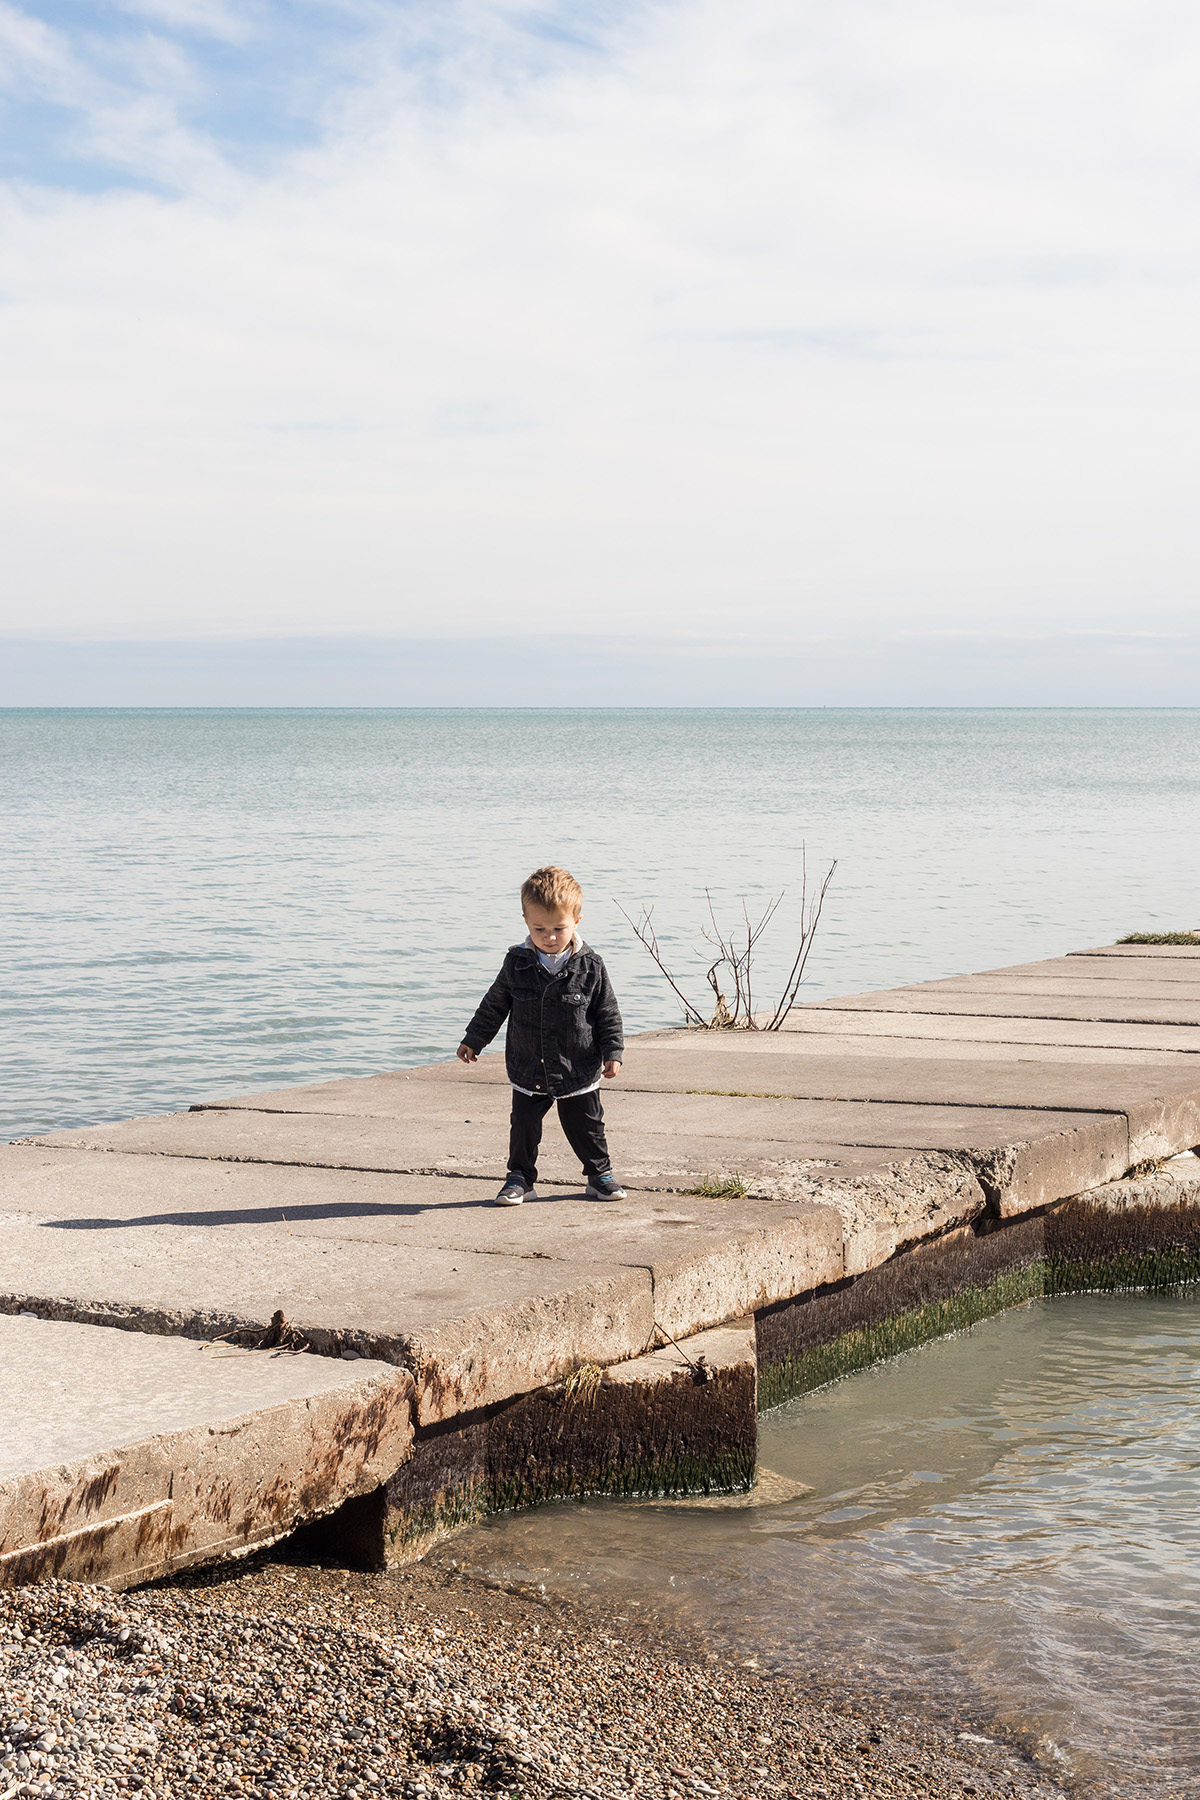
<point>268,1678</point>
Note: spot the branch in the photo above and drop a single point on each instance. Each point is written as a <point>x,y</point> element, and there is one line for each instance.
<point>645,934</point>
<point>810,913</point>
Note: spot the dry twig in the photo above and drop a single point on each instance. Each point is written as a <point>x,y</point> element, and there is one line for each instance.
<point>736,949</point>
<point>280,1336</point>
<point>644,932</point>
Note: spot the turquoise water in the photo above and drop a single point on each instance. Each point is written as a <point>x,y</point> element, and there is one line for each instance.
<point>203,902</point>
<point>1004,1525</point>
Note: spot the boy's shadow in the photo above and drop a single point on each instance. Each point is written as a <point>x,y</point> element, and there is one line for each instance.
<point>274,1215</point>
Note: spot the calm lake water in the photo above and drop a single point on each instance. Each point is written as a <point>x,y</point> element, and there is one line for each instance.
<point>202,902</point>
<point>1003,1524</point>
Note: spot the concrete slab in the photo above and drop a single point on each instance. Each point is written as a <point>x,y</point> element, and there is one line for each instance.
<point>1018,989</point>
<point>892,1070</point>
<point>828,1020</point>
<point>650,1130</point>
<point>1134,952</point>
<point>518,1296</point>
<point>697,1284</point>
<point>893,1205</point>
<point>675,1421</point>
<point>472,1327</point>
<point>910,1040</point>
<point>1085,965</point>
<point>980,1003</point>
<point>123,1456</point>
<point>423,1211</point>
<point>655,1162</point>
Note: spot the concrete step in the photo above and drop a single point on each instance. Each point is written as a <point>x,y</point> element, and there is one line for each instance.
<point>124,1454</point>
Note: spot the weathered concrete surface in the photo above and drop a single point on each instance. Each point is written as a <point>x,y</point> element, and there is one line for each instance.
<point>828,1021</point>
<point>670,1135</point>
<point>693,1069</point>
<point>1104,965</point>
<point>479,1303</point>
<point>970,1000</point>
<point>1105,983</point>
<point>937,1128</point>
<point>1176,953</point>
<point>1143,1232</point>
<point>124,1455</point>
<point>680,1420</point>
<point>471,1329</point>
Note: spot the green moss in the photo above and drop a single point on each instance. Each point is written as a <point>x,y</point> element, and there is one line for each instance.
<point>728,1472</point>
<point>869,1344</point>
<point>1161,937</point>
<point>1146,1269</point>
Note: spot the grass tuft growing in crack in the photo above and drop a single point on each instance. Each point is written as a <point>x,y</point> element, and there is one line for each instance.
<point>721,1187</point>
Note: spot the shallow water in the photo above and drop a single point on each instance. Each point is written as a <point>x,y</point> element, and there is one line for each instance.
<point>1004,1523</point>
<point>204,902</point>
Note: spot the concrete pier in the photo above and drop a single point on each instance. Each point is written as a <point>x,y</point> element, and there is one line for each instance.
<point>910,1160</point>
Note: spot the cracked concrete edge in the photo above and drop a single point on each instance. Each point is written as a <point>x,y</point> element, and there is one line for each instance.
<point>1023,1177</point>
<point>703,1289</point>
<point>204,1492</point>
<point>488,1356</point>
<point>885,1210</point>
<point>156,1321</point>
<point>515,1349</point>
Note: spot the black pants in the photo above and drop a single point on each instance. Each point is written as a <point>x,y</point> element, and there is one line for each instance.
<point>582,1120</point>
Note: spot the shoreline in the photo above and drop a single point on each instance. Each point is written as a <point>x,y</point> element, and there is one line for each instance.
<point>272,1677</point>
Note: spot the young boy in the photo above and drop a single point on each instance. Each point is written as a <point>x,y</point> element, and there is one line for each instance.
<point>564,1036</point>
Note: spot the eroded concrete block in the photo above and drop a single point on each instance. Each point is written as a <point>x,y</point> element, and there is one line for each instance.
<point>1142,1233</point>
<point>123,1456</point>
<point>801,1250</point>
<point>886,1208</point>
<point>678,1420</point>
<point>1163,1125</point>
<point>487,1357</point>
<point>1020,1177</point>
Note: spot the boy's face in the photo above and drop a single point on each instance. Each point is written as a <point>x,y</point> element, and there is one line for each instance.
<point>551,931</point>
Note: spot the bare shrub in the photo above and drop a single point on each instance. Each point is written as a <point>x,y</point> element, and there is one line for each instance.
<point>733,967</point>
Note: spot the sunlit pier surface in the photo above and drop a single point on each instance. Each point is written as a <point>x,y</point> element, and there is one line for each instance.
<point>300,1309</point>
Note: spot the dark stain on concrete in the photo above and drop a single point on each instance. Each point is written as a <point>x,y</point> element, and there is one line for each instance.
<point>668,1435</point>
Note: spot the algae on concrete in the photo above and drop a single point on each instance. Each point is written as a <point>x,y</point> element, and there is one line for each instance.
<point>1048,1275</point>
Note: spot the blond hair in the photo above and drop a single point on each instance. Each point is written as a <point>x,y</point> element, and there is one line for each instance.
<point>553,890</point>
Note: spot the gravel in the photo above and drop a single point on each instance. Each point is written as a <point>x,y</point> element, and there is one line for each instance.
<point>269,1679</point>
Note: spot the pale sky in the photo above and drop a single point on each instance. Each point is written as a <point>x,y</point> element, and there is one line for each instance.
<point>836,328</point>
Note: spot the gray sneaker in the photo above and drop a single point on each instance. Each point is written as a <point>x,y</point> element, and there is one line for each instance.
<point>514,1193</point>
<point>605,1187</point>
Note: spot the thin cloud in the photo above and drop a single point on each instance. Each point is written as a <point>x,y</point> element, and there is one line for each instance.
<point>652,319</point>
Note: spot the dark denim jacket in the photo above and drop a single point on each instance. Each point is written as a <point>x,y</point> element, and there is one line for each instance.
<point>562,1028</point>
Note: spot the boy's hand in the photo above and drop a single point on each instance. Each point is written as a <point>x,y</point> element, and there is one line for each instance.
<point>465,1053</point>
<point>611,1070</point>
